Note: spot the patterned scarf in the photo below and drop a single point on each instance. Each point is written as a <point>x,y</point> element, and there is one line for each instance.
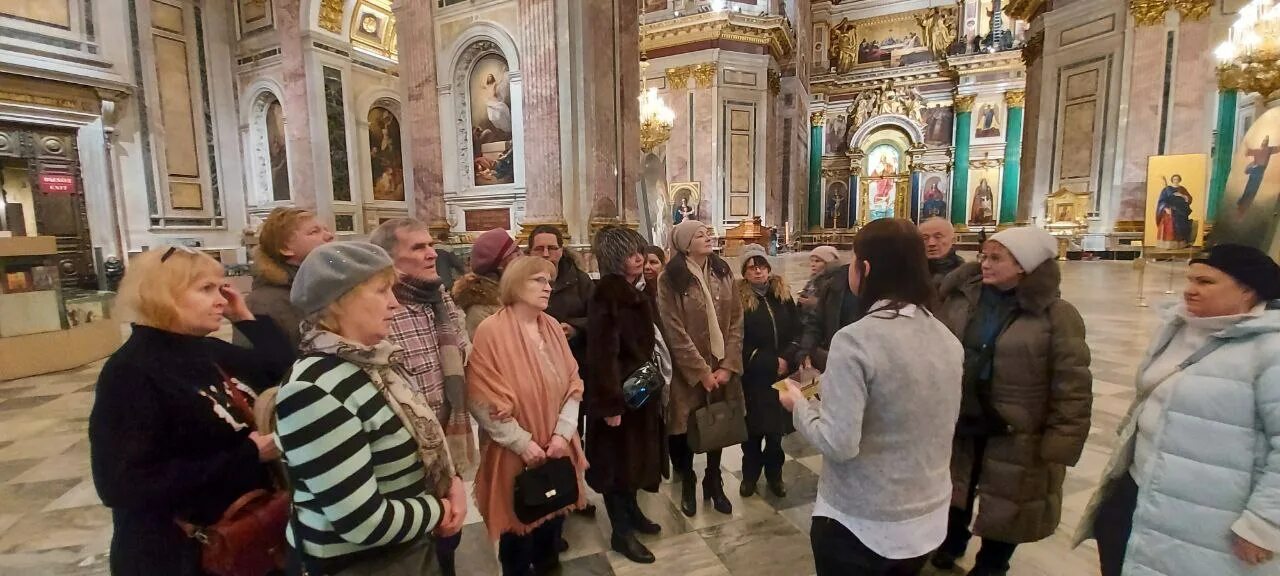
<point>448,336</point>
<point>378,362</point>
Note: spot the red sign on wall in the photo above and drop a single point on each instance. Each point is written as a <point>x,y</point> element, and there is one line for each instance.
<point>57,183</point>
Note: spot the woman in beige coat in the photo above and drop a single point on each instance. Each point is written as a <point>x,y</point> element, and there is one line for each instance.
<point>702,317</point>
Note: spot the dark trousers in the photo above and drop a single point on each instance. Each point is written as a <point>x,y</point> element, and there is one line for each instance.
<point>994,554</point>
<point>619,506</point>
<point>446,548</point>
<point>1114,523</point>
<point>682,456</point>
<point>770,459</point>
<point>839,552</point>
<point>533,553</point>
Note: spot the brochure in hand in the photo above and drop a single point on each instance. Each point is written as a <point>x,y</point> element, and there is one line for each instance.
<point>806,379</point>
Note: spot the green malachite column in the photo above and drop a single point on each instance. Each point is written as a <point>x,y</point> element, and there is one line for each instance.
<point>960,175</point>
<point>1222,150</point>
<point>1015,100</point>
<point>815,170</point>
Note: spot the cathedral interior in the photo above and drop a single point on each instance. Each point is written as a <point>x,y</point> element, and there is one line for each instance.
<point>131,124</point>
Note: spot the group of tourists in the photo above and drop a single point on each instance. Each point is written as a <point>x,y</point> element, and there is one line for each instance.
<point>953,397</point>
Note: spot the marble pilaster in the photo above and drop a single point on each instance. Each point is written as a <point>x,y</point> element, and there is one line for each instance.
<point>611,113</point>
<point>1033,58</point>
<point>1222,152</point>
<point>1189,120</point>
<point>1015,101</point>
<point>421,110</point>
<point>295,103</point>
<point>1146,82</point>
<point>960,176</point>
<point>814,212</point>
<point>540,70</point>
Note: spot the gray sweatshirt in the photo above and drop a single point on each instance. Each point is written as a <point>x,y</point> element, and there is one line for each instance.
<point>890,400</point>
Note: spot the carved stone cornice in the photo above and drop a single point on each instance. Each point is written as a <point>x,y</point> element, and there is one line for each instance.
<point>818,118</point>
<point>773,32</point>
<point>678,78</point>
<point>1149,12</point>
<point>1193,10</point>
<point>986,163</point>
<point>1016,98</point>
<point>963,103</point>
<point>983,62</point>
<point>330,18</point>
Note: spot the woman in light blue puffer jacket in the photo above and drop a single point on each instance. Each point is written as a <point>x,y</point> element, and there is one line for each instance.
<point>1194,487</point>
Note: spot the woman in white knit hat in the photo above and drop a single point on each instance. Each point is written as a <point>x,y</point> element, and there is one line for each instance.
<point>819,259</point>
<point>1025,402</point>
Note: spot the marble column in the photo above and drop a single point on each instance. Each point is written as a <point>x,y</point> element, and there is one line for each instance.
<point>541,99</point>
<point>1032,54</point>
<point>294,43</point>
<point>960,176</point>
<point>1222,150</point>
<point>416,40</point>
<point>611,109</point>
<point>815,170</point>
<point>1014,100</point>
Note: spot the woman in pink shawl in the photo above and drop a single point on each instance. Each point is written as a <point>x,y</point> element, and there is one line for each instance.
<point>523,389</point>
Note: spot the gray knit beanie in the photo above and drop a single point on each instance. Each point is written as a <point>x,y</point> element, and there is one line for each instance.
<point>332,270</point>
<point>613,245</point>
<point>750,251</point>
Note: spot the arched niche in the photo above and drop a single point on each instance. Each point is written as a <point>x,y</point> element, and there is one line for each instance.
<point>266,147</point>
<point>884,172</point>
<point>485,101</point>
<point>913,132</point>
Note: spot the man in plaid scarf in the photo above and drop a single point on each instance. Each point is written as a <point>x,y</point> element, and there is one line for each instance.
<point>430,329</point>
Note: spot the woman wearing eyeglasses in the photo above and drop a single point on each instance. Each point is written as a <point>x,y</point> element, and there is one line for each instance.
<point>171,432</point>
<point>1194,487</point>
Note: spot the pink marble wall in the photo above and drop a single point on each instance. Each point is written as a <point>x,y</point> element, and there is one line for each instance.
<point>1189,131</point>
<point>774,141</point>
<point>705,151</point>
<point>541,99</point>
<point>1146,80</point>
<point>628,83</point>
<point>678,145</point>
<point>294,101</point>
<point>1030,135</point>
<point>421,108</point>
<point>600,126</point>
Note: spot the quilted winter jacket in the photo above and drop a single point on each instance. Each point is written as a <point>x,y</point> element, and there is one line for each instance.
<point>1217,458</point>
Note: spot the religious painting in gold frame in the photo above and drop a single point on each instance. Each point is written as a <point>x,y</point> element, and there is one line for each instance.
<point>1176,198</point>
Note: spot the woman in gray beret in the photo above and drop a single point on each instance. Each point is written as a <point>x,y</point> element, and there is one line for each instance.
<point>345,409</point>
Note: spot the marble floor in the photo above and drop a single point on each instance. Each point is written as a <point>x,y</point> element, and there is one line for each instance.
<point>51,522</point>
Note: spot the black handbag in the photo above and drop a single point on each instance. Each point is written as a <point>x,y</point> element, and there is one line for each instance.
<point>545,490</point>
<point>641,385</point>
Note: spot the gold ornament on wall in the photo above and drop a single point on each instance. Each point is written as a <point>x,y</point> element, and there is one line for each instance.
<point>1033,49</point>
<point>704,74</point>
<point>1016,98</point>
<point>678,78</point>
<point>1193,10</point>
<point>818,118</point>
<point>331,16</point>
<point>775,82</point>
<point>1149,12</point>
<point>964,103</point>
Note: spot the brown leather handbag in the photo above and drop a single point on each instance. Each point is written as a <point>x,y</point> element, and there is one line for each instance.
<point>249,538</point>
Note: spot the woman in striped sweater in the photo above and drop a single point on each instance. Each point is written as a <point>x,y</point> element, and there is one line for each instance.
<point>372,476</point>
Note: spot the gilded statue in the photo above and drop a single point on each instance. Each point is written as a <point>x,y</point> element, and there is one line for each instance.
<point>936,28</point>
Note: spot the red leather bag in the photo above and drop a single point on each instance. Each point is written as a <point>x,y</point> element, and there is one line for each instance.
<point>249,538</point>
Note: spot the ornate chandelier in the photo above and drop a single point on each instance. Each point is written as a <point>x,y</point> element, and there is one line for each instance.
<point>1250,57</point>
<point>656,117</point>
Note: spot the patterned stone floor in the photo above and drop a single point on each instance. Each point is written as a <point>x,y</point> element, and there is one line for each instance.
<point>51,522</point>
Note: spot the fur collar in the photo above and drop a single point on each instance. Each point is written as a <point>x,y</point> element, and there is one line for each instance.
<point>614,288</point>
<point>777,288</point>
<point>269,272</point>
<point>474,289</point>
<point>1037,291</point>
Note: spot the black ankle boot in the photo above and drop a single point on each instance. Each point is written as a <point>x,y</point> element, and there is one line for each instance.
<point>688,493</point>
<point>748,487</point>
<point>626,544</point>
<point>776,486</point>
<point>639,521</point>
<point>713,490</point>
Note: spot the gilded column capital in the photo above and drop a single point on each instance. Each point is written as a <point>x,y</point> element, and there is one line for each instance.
<point>818,118</point>
<point>775,82</point>
<point>678,78</point>
<point>1149,12</point>
<point>1016,98</point>
<point>964,103</point>
<point>1033,49</point>
<point>331,16</point>
<point>704,74</point>
<point>1193,10</point>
